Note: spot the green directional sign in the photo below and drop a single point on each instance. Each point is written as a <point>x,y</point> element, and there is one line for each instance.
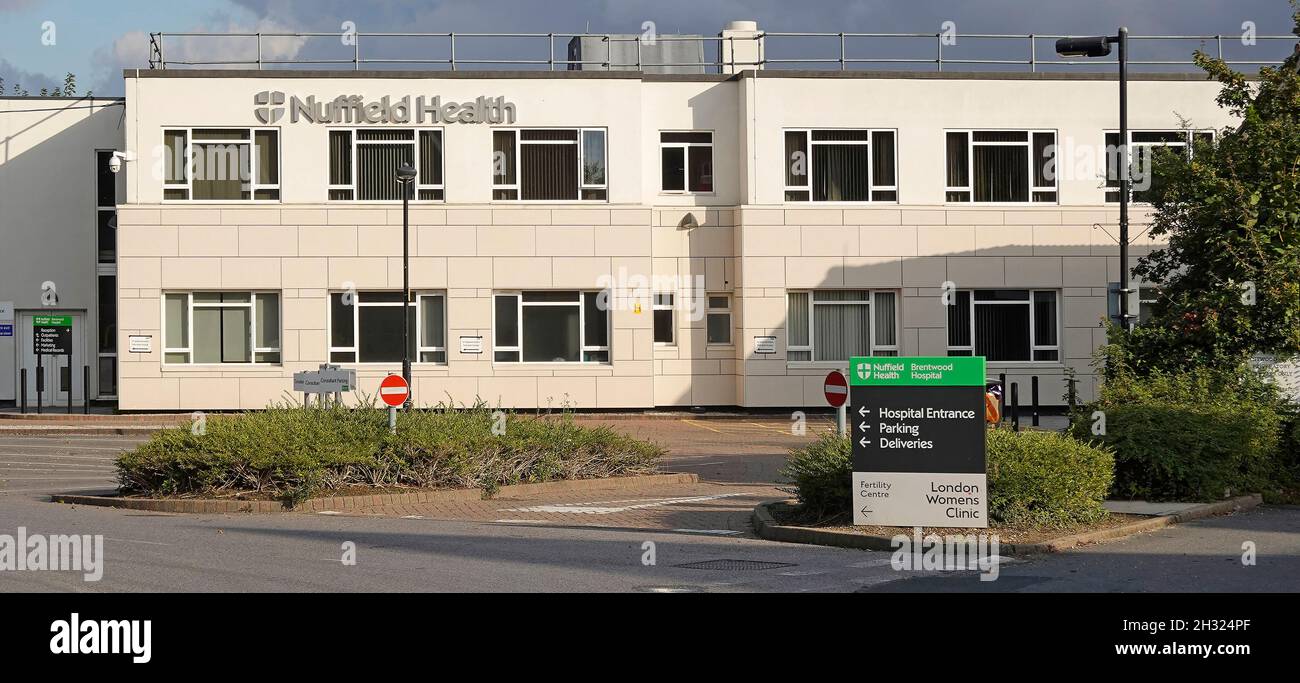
<point>52,335</point>
<point>916,371</point>
<point>52,321</point>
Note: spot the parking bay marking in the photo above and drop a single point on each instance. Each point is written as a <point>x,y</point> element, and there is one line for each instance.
<point>608,507</point>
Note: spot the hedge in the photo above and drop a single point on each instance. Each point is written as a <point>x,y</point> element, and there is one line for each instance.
<point>293,453</point>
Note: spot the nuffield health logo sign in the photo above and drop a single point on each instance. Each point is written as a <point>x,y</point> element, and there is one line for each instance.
<point>271,106</point>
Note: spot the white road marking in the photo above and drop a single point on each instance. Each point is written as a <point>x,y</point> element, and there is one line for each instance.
<point>130,540</point>
<point>328,512</point>
<point>608,507</point>
<point>708,532</point>
<point>697,464</point>
<point>60,464</point>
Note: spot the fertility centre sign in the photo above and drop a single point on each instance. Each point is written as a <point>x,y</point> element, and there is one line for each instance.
<point>918,445</point>
<point>271,106</point>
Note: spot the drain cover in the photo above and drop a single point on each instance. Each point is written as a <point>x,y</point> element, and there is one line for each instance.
<point>734,565</point>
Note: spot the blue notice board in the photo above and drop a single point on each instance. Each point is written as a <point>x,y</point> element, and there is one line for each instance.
<point>6,330</point>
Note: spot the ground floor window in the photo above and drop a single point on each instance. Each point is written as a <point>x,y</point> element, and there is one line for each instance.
<point>107,356</point>
<point>1005,324</point>
<point>551,327</point>
<point>665,326</point>
<point>366,327</point>
<point>221,327</point>
<point>834,325</point>
<point>717,319</point>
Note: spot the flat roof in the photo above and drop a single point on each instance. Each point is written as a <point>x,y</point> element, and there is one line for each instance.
<point>640,75</point>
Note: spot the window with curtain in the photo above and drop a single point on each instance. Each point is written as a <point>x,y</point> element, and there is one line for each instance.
<point>364,162</point>
<point>550,327</point>
<point>366,327</point>
<point>1015,325</point>
<point>1142,148</point>
<point>549,164</point>
<point>221,327</point>
<point>833,325</point>
<point>1002,166</point>
<point>840,165</point>
<point>221,164</point>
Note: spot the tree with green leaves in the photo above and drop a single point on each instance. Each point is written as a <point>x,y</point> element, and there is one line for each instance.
<point>1230,212</point>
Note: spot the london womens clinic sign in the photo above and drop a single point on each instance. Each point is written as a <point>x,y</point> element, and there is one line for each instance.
<point>272,105</point>
<point>918,441</point>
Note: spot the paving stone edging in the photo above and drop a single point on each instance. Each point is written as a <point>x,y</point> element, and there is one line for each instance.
<point>765,526</point>
<point>342,503</point>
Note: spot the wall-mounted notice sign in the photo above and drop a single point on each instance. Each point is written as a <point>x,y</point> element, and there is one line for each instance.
<point>139,343</point>
<point>918,441</point>
<point>764,344</point>
<point>471,345</point>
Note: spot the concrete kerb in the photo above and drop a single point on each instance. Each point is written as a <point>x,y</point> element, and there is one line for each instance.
<point>341,503</point>
<point>765,526</point>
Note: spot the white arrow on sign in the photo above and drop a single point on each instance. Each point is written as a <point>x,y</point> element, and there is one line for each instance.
<point>862,412</point>
<point>863,426</point>
<point>863,442</point>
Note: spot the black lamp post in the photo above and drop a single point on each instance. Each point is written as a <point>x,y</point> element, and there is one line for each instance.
<point>406,178</point>
<point>1099,46</point>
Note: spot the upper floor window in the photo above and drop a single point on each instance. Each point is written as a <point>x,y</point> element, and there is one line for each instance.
<point>550,327</point>
<point>221,327</point>
<point>1142,145</point>
<point>549,164</point>
<point>1001,166</point>
<point>840,165</point>
<point>221,164</point>
<point>364,162</point>
<point>687,160</point>
<point>834,325</point>
<point>1005,324</point>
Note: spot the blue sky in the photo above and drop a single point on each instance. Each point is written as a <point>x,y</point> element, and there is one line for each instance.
<point>96,39</point>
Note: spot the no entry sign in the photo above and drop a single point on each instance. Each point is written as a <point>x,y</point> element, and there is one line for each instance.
<point>918,441</point>
<point>836,388</point>
<point>394,391</point>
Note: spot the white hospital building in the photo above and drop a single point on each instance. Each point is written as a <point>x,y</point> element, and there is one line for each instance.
<point>604,238</point>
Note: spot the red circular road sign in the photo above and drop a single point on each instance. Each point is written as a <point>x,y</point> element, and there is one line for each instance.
<point>394,390</point>
<point>836,388</point>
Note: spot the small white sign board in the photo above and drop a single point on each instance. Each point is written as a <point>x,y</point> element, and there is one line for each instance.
<point>328,380</point>
<point>6,311</point>
<point>764,344</point>
<point>140,343</point>
<point>471,345</point>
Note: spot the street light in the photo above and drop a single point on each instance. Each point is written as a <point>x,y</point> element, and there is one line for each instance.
<point>1099,46</point>
<point>406,178</point>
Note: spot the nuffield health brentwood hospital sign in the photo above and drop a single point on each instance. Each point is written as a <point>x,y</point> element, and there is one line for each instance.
<point>918,441</point>
<point>271,106</point>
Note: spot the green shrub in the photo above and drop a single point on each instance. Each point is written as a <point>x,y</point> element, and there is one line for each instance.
<point>1200,434</point>
<point>293,453</point>
<point>1034,478</point>
<point>1046,479</point>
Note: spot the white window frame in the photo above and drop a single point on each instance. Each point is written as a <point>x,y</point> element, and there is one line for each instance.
<point>253,185</point>
<point>710,309</point>
<point>811,145</point>
<point>1188,143</point>
<point>811,346</point>
<point>518,347</point>
<point>517,185</point>
<point>671,308</point>
<point>969,189</point>
<point>355,349</point>
<point>1033,345</point>
<point>686,161</point>
<point>355,186</point>
<point>251,304</point>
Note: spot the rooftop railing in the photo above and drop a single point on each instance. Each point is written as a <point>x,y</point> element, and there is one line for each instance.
<point>771,50</point>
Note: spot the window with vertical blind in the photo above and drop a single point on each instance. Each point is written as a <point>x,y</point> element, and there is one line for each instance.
<point>840,165</point>
<point>1005,324</point>
<point>832,325</point>
<point>364,162</point>
<point>366,327</point>
<point>550,327</point>
<point>221,164</point>
<point>549,164</point>
<point>221,327</point>
<point>1002,166</point>
<point>1142,146</point>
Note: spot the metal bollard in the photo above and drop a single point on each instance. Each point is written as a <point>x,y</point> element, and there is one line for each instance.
<point>1002,409</point>
<point>22,380</point>
<point>1033,400</point>
<point>1015,406</point>
<point>85,389</point>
